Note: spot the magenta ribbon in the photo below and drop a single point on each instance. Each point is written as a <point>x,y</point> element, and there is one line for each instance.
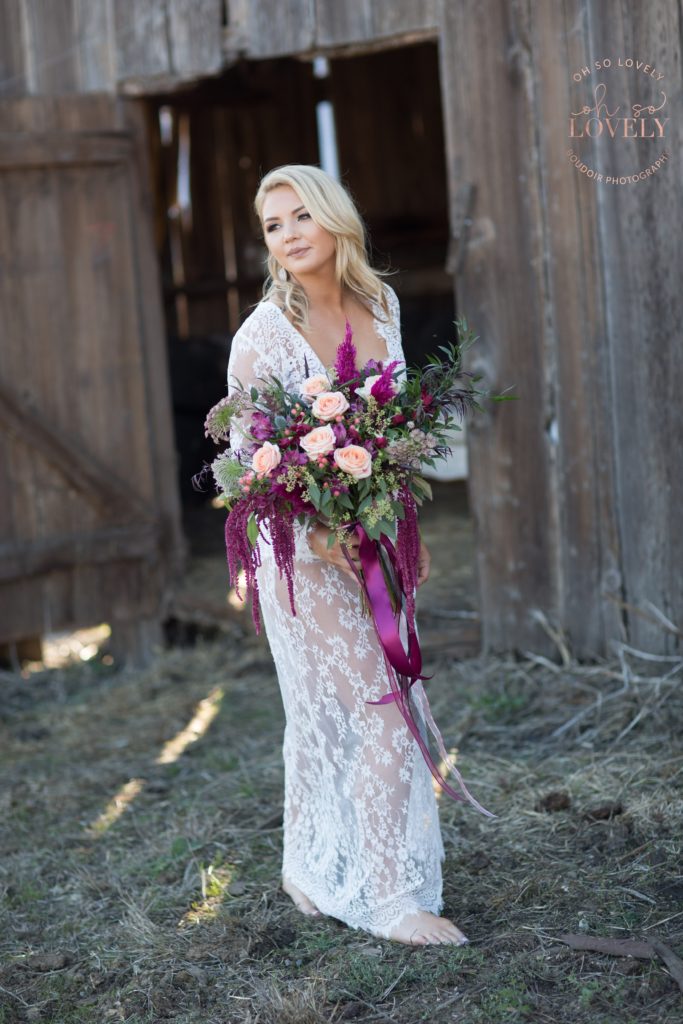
<point>404,668</point>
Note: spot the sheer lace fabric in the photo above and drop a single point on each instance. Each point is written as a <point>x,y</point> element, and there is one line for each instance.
<point>362,837</point>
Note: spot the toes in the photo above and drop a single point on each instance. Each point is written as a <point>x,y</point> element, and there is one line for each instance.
<point>454,934</point>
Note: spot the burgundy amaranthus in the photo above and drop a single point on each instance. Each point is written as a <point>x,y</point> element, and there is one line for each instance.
<point>384,389</point>
<point>241,554</point>
<point>408,547</point>
<point>345,364</point>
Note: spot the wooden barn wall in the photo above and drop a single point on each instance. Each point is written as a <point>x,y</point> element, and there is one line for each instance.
<point>147,45</point>
<point>300,26</point>
<point>94,45</point>
<point>575,486</point>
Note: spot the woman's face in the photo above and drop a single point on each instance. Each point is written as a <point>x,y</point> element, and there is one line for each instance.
<point>288,227</point>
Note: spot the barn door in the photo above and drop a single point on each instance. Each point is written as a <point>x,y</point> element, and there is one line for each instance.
<point>89,517</point>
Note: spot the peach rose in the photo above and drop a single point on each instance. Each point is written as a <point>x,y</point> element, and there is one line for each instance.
<point>354,460</point>
<point>267,457</point>
<point>318,441</point>
<point>329,404</point>
<point>314,386</point>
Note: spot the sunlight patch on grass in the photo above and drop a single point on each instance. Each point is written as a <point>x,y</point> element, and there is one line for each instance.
<point>206,711</point>
<point>215,879</point>
<point>115,808</point>
<point>65,648</point>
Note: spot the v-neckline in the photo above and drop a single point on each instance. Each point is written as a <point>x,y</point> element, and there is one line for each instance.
<point>306,342</point>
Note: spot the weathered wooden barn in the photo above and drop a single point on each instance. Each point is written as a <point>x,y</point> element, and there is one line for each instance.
<point>453,131</point>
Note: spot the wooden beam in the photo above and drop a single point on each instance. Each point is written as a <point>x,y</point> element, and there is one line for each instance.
<point>86,474</point>
<point>40,149</point>
<point>135,542</point>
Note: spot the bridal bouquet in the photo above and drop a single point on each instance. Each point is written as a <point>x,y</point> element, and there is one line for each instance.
<point>348,449</point>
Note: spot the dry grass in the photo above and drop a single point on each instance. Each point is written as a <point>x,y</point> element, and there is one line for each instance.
<point>137,889</point>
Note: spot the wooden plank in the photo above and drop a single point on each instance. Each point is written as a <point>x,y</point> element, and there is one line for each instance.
<point>274,30</point>
<point>195,28</point>
<point>137,541</point>
<point>202,238</point>
<point>578,430</point>
<point>640,231</point>
<point>59,115</point>
<point>33,149</point>
<point>141,38</point>
<point>13,70</point>
<point>152,341</point>
<point>489,120</point>
<point>370,21</point>
<point>343,23</point>
<point>391,17</point>
<point>81,469</point>
<point>70,598</point>
<point>94,36</point>
<point>50,36</point>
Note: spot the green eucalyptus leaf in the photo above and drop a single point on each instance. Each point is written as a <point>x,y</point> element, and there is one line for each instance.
<point>252,530</point>
<point>314,492</point>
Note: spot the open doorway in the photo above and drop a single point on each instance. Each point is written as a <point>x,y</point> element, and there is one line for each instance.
<point>376,122</point>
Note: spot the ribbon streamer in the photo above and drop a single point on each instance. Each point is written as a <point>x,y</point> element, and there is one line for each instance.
<point>404,668</point>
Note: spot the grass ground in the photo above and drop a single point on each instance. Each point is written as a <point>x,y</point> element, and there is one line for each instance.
<point>141,847</point>
<point>140,885</point>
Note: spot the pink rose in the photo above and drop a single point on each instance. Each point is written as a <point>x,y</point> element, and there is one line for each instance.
<point>329,404</point>
<point>314,386</point>
<point>354,460</point>
<point>319,441</point>
<point>267,457</point>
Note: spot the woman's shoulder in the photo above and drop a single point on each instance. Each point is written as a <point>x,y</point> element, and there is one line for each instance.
<point>258,323</point>
<point>258,334</point>
<point>392,303</point>
<point>260,314</point>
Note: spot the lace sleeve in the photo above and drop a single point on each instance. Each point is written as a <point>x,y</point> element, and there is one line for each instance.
<point>394,306</point>
<point>252,356</point>
<point>392,332</point>
<point>255,353</point>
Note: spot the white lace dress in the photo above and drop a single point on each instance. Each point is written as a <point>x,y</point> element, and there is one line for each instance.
<point>361,829</point>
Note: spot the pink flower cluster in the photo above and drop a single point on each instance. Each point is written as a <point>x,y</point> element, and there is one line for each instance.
<point>321,441</point>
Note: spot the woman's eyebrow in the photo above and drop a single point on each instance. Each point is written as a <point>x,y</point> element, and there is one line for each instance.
<point>277,218</point>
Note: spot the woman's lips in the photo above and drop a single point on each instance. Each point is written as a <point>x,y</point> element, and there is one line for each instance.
<point>300,252</point>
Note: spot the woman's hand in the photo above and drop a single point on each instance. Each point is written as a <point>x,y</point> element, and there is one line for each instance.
<point>317,541</point>
<point>423,564</point>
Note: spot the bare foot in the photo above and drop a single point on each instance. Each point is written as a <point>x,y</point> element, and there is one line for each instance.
<point>423,929</point>
<point>302,901</point>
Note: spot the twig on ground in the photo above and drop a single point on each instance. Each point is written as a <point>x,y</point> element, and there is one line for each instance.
<point>629,947</point>
<point>555,634</point>
<point>14,996</point>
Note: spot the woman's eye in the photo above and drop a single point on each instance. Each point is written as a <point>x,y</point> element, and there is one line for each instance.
<point>273,226</point>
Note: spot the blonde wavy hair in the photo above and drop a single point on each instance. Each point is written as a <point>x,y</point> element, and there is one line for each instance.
<point>332,208</point>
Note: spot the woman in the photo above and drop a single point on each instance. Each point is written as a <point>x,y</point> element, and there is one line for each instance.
<point>362,840</point>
